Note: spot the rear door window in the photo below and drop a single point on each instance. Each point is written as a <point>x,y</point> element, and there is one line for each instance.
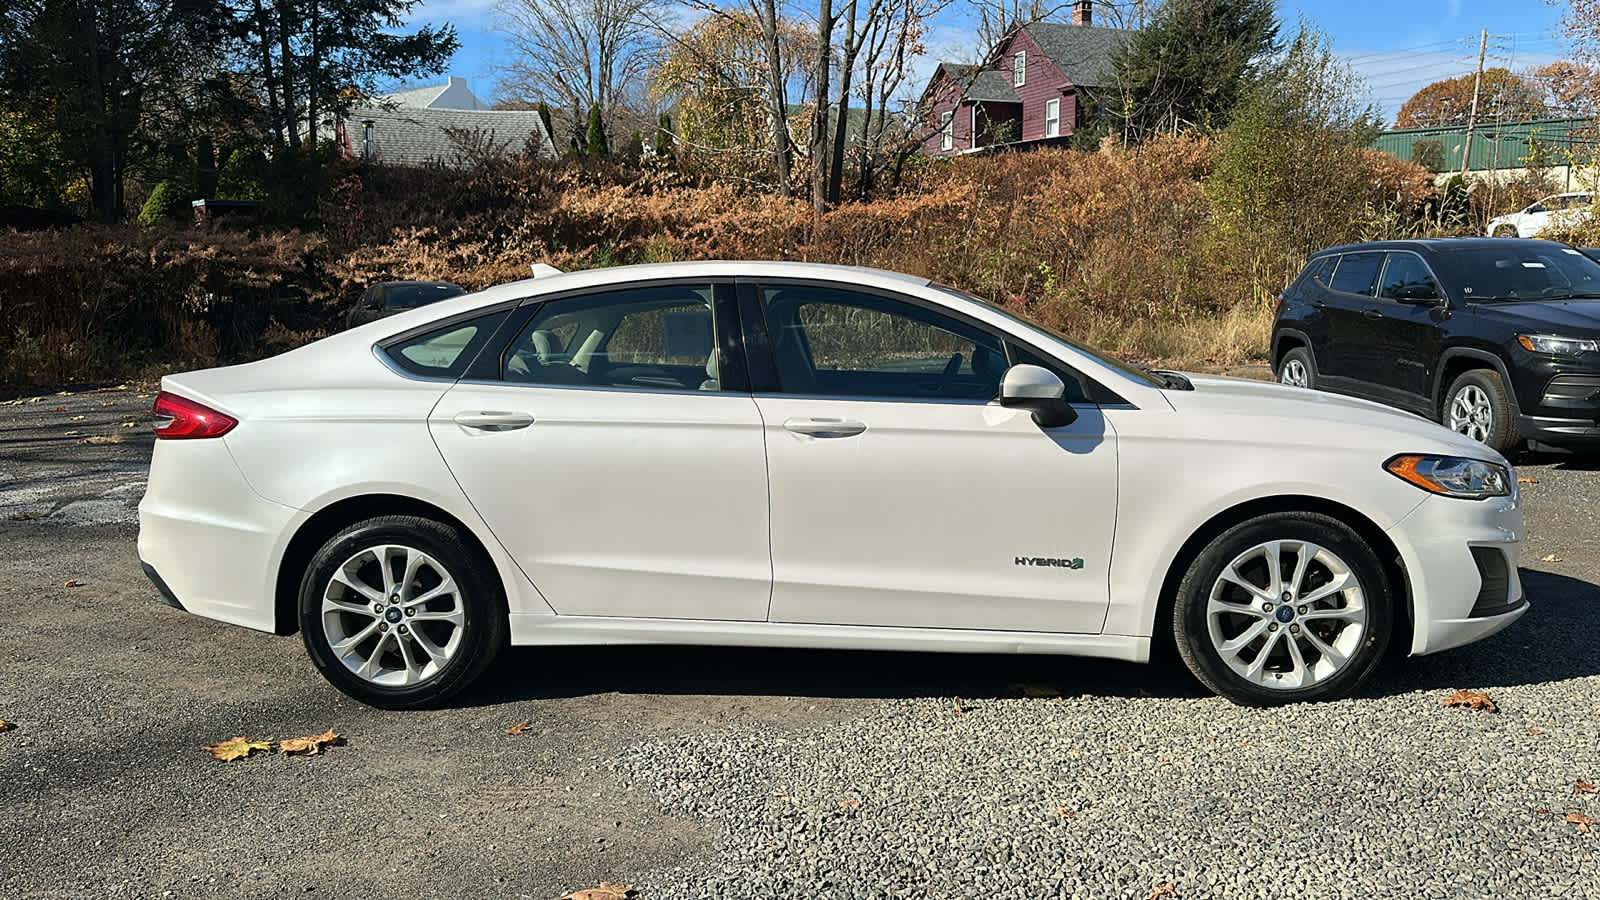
<point>1357,272</point>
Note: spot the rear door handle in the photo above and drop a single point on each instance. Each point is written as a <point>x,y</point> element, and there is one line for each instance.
<point>825,428</point>
<point>493,420</point>
<point>1372,313</point>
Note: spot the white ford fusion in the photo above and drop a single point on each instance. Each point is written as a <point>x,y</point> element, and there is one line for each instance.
<point>778,454</point>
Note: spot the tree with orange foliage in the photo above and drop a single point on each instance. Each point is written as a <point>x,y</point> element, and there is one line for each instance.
<point>1502,95</point>
<point>1570,88</point>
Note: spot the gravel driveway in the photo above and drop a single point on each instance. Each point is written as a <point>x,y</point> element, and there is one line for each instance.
<point>727,773</point>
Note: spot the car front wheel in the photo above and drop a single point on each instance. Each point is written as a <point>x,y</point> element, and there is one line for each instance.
<point>398,613</point>
<point>1479,406</point>
<point>1283,608</point>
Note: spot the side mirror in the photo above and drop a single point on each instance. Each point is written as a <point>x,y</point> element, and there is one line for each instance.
<point>1040,391</point>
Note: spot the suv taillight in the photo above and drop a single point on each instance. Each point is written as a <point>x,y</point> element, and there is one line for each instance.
<point>185,419</point>
<point>1278,307</point>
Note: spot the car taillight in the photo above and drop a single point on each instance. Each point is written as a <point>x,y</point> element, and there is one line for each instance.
<point>184,418</point>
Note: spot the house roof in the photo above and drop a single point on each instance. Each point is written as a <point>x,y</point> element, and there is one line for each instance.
<point>418,136</point>
<point>417,98</point>
<point>987,86</point>
<point>1081,52</point>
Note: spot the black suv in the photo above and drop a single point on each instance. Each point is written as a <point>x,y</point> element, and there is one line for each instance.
<point>1496,338</point>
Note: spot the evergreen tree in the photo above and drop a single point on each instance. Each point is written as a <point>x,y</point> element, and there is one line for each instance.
<point>544,116</point>
<point>1191,64</point>
<point>597,146</point>
<point>663,135</point>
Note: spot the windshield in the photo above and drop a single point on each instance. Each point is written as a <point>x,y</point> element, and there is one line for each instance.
<point>1137,373</point>
<point>1525,272</point>
<point>411,296</point>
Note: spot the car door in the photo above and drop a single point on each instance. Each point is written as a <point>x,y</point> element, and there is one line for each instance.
<point>901,494</point>
<point>1409,299</point>
<point>617,454</point>
<point>1354,337</point>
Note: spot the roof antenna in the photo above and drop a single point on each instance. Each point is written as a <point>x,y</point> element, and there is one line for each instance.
<point>540,270</point>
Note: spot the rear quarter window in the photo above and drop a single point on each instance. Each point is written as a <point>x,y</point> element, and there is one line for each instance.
<point>445,351</point>
<point>1356,273</point>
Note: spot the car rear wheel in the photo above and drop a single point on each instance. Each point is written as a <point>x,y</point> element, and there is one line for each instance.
<point>397,612</point>
<point>1283,608</point>
<point>1297,370</point>
<point>1479,406</point>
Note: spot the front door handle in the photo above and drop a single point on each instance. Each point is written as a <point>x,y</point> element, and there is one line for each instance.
<point>825,428</point>
<point>493,420</point>
<point>1372,313</point>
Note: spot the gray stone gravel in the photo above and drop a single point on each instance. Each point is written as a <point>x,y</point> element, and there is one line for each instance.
<point>1115,797</point>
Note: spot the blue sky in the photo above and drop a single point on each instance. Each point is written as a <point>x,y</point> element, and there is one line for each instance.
<point>1398,45</point>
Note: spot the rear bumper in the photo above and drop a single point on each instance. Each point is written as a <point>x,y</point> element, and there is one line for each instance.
<point>1444,546</point>
<point>207,541</point>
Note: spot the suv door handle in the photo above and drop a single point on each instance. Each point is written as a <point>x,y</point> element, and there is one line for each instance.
<point>1372,313</point>
<point>490,420</point>
<point>825,428</point>
<point>1319,304</point>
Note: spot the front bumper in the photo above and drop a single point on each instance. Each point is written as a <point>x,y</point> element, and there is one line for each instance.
<point>1449,549</point>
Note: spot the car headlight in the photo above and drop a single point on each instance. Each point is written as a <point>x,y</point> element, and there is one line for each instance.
<point>1557,345</point>
<point>1452,476</point>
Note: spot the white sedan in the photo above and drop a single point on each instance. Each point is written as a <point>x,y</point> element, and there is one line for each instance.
<point>1556,211</point>
<point>794,455</point>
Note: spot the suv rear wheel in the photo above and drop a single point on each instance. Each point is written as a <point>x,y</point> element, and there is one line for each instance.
<point>1297,370</point>
<point>1479,406</point>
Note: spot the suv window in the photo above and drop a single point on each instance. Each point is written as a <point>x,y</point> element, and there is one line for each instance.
<point>1525,272</point>
<point>655,338</point>
<point>1406,277</point>
<point>844,344</point>
<point>1356,273</point>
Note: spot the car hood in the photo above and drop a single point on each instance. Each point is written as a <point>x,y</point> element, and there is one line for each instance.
<point>1575,318</point>
<point>1288,415</point>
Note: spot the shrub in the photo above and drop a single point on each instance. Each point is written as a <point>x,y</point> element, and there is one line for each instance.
<point>169,201</point>
<point>242,176</point>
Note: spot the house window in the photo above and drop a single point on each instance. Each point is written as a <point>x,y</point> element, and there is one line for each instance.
<point>947,130</point>
<point>1052,118</point>
<point>1019,69</point>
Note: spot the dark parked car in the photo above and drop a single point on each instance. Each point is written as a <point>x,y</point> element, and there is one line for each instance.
<point>1496,338</point>
<point>389,297</point>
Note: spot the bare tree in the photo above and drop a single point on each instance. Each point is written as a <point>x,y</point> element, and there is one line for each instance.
<point>579,53</point>
<point>766,12</point>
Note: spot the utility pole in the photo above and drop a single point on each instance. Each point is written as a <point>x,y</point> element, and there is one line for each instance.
<point>1472,114</point>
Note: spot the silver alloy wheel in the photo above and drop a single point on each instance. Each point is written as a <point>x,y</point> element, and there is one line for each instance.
<point>1471,413</point>
<point>1287,614</point>
<point>393,615</point>
<point>1294,374</point>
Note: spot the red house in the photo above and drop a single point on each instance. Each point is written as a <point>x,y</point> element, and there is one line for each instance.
<point>1031,88</point>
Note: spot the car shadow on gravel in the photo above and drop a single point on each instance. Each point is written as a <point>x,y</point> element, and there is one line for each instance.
<point>1555,641</point>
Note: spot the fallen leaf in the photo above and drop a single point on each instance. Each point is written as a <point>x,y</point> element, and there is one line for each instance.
<point>1533,731</point>
<point>102,439</point>
<point>1549,557</point>
<point>310,746</point>
<point>56,409</point>
<point>1166,890</point>
<point>109,403</point>
<point>849,803</point>
<point>1471,700</point>
<point>519,728</point>
<point>1064,813</point>
<point>1584,787</point>
<point>1542,811</point>
<point>25,516</point>
<point>73,583</point>
<point>5,726</point>
<point>606,891</point>
<point>1526,480</point>
<point>79,418</point>
<point>1582,821</point>
<point>236,748</point>
<point>958,706</point>
<point>130,424</point>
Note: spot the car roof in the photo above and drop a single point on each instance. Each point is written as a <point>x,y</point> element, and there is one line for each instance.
<point>409,283</point>
<point>1437,245</point>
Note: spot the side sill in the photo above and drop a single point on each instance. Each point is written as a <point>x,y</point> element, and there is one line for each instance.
<point>546,630</point>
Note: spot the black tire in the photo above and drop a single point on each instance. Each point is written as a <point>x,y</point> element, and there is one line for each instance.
<point>1191,624</point>
<point>478,595</point>
<point>1500,433</point>
<point>1302,357</point>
